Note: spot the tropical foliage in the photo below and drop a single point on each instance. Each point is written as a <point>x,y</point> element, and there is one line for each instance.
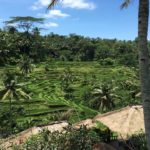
<point>104,96</point>
<point>74,78</point>
<point>74,47</point>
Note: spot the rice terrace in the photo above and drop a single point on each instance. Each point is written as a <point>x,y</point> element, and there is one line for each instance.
<point>73,78</point>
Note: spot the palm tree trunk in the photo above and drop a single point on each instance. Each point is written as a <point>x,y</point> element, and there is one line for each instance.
<point>10,109</point>
<point>144,63</point>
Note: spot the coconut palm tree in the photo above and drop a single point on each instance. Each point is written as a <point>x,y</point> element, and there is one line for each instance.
<point>66,79</point>
<point>11,90</point>
<point>143,18</point>
<point>144,63</point>
<point>104,96</point>
<point>26,65</point>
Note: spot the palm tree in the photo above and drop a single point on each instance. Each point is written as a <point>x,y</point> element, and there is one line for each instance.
<point>66,79</point>
<point>104,96</point>
<point>144,63</point>
<point>11,90</point>
<point>143,18</point>
<point>26,65</point>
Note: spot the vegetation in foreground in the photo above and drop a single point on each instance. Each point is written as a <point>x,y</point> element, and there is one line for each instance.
<point>73,77</point>
<point>82,139</point>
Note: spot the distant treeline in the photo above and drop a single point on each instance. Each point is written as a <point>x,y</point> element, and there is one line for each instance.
<point>14,44</point>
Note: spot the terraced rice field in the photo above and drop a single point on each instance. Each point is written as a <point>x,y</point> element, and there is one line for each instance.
<point>48,102</point>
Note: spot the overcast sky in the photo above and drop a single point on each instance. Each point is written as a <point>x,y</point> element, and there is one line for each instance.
<point>93,18</point>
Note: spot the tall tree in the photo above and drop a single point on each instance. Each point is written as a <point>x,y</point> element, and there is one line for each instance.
<point>11,90</point>
<point>26,65</point>
<point>143,18</point>
<point>25,24</point>
<point>144,63</point>
<point>103,97</point>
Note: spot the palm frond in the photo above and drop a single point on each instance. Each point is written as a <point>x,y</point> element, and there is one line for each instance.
<point>52,4</point>
<point>23,94</point>
<point>21,84</point>
<point>125,4</point>
<point>2,92</point>
<point>98,91</point>
<point>7,95</point>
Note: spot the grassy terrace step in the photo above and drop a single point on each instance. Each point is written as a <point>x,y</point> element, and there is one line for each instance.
<point>48,97</point>
<point>44,112</point>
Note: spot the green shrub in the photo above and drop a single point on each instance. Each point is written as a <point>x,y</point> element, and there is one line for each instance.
<point>71,139</point>
<point>137,142</point>
<point>107,62</point>
<point>128,60</point>
<point>8,123</point>
<point>104,133</point>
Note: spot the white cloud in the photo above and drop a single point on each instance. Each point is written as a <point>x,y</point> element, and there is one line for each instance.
<point>76,4</point>
<point>40,4</point>
<point>54,14</point>
<point>12,24</point>
<point>50,24</point>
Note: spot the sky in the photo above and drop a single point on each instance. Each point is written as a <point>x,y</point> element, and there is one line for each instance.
<point>90,18</point>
